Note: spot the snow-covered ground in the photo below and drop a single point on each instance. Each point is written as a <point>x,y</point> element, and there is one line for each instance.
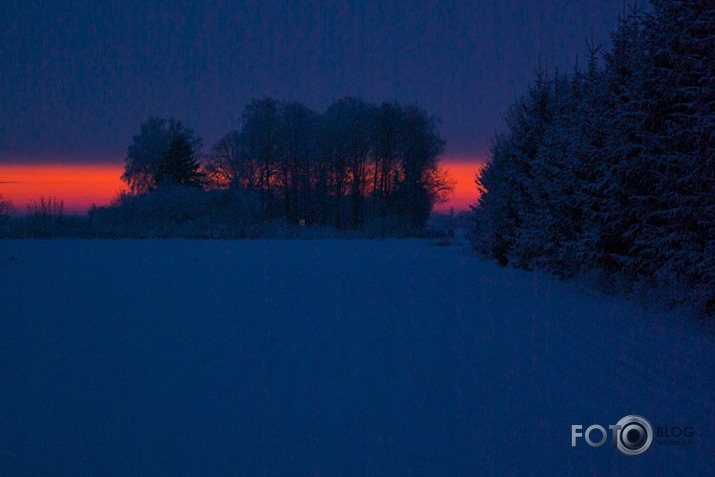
<point>328,358</point>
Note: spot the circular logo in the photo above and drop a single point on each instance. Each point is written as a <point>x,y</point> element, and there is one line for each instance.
<point>634,436</point>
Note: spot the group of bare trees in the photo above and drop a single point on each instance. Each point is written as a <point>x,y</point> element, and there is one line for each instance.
<point>46,215</point>
<point>356,163</point>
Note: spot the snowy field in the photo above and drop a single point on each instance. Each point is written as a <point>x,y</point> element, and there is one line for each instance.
<point>329,358</point>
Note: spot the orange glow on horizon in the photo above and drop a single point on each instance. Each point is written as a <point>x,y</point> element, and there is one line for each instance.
<point>77,185</point>
<point>465,190</point>
<point>81,185</point>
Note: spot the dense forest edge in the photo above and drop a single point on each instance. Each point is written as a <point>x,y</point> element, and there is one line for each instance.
<point>356,170</point>
<point>609,169</point>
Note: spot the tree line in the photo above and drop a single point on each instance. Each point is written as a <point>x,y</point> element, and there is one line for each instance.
<point>357,164</point>
<point>611,167</point>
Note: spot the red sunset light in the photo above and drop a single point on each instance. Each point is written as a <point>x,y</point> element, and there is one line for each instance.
<point>81,185</point>
<point>465,190</point>
<point>77,185</point>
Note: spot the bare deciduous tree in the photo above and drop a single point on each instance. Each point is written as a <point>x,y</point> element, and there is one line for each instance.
<point>46,214</point>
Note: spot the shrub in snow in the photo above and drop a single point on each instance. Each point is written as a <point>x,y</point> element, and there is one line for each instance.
<point>6,208</point>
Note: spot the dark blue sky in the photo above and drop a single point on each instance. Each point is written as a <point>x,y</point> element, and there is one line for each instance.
<point>76,81</point>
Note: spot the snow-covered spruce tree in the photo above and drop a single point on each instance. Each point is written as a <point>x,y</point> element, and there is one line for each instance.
<point>495,214</point>
<point>658,145</point>
<point>505,181</point>
<point>620,188</point>
<point>586,175</point>
<point>564,167</point>
<point>614,168</point>
<point>677,234</point>
<point>551,228</point>
<point>560,184</point>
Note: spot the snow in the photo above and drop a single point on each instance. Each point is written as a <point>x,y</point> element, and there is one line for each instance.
<point>339,357</point>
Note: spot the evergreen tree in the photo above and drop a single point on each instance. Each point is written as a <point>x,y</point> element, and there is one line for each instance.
<point>179,166</point>
<point>614,167</point>
<point>506,180</point>
<point>147,153</point>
